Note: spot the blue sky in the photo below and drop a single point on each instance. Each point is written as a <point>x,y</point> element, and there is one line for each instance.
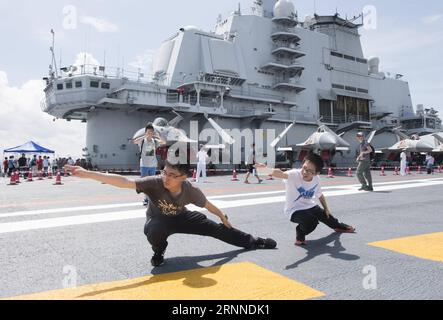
<point>408,39</point>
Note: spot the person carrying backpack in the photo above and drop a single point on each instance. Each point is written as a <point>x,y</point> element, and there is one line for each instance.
<point>148,158</point>
<point>364,163</point>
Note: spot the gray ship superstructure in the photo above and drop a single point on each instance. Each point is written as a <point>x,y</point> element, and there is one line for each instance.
<point>261,70</point>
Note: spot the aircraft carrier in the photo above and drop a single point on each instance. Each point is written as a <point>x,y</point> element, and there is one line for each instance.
<point>260,70</point>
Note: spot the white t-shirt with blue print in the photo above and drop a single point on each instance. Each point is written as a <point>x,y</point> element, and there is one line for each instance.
<point>300,194</point>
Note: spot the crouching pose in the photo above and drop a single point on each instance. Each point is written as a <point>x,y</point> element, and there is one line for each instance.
<point>302,187</point>
<point>167,214</point>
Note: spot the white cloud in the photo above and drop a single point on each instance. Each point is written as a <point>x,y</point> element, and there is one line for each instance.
<point>399,42</point>
<point>101,25</point>
<point>87,60</point>
<point>23,120</point>
<point>144,61</point>
<point>432,19</point>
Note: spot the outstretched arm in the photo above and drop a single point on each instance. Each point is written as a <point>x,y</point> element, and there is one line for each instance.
<point>214,210</point>
<point>111,179</point>
<point>277,173</point>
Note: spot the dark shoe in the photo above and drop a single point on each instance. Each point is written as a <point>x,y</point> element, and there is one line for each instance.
<point>158,259</point>
<point>267,243</point>
<point>363,188</point>
<point>369,189</point>
<point>345,229</point>
<point>260,181</point>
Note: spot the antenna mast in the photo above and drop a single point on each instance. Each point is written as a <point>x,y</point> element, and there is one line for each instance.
<point>53,66</point>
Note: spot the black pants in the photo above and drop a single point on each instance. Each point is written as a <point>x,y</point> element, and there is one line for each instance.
<point>308,220</point>
<point>159,228</point>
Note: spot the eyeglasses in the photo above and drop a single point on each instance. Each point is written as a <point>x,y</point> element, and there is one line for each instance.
<point>308,171</point>
<point>170,175</point>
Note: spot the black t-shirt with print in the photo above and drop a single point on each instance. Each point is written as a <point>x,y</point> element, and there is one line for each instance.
<point>161,200</point>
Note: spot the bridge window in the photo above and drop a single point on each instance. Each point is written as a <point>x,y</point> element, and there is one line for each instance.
<point>106,85</point>
<point>60,86</point>
<point>349,57</point>
<point>336,54</point>
<point>68,85</point>
<point>94,84</point>
<point>78,84</point>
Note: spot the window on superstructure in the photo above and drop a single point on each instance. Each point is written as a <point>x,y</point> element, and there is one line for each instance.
<point>337,86</point>
<point>349,57</point>
<point>362,90</point>
<point>336,54</point>
<point>78,84</point>
<point>68,85</point>
<point>60,86</point>
<point>94,84</point>
<point>351,88</point>
<point>106,85</point>
<point>362,60</point>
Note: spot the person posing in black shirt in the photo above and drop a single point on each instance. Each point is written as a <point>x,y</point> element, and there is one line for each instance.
<point>167,214</point>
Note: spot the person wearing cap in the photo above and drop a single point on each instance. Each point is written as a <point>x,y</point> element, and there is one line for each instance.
<point>364,164</point>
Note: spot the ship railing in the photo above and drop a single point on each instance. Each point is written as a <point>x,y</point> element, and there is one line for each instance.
<point>277,115</point>
<point>281,28</point>
<point>345,119</point>
<point>283,44</point>
<point>294,81</point>
<point>107,72</point>
<point>256,92</point>
<point>172,97</point>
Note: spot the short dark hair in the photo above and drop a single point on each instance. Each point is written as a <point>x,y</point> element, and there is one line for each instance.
<point>316,160</point>
<point>181,167</point>
<point>149,126</point>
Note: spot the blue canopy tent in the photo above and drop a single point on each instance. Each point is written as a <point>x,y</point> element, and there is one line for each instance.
<point>29,147</point>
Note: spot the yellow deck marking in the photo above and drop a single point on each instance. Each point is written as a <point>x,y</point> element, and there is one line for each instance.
<point>427,246</point>
<point>239,281</point>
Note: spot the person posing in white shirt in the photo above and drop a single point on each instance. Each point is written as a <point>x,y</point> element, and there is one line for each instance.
<point>201,164</point>
<point>303,186</point>
<point>403,163</point>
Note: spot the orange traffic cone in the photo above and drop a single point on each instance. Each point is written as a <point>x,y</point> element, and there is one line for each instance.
<point>58,179</point>
<point>17,177</point>
<point>349,173</point>
<point>49,174</point>
<point>40,175</point>
<point>234,176</point>
<point>382,173</point>
<point>194,175</point>
<point>30,177</point>
<point>330,173</point>
<point>12,182</point>
<point>408,170</point>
